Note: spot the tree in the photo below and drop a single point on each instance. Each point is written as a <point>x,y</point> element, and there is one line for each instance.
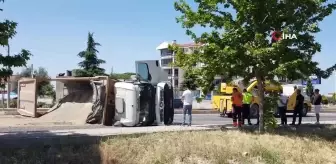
<point>125,76</point>
<point>324,100</point>
<point>190,81</point>
<point>45,88</point>
<point>90,66</point>
<point>309,88</point>
<point>7,32</point>
<point>240,44</point>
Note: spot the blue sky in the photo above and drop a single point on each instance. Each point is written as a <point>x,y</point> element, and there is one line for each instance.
<point>129,30</point>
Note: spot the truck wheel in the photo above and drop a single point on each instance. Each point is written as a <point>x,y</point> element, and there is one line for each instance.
<point>254,110</point>
<point>305,110</point>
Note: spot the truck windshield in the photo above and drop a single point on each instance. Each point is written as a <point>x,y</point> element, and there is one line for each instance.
<point>142,71</point>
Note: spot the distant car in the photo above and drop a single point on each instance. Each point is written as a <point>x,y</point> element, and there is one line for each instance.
<point>178,103</point>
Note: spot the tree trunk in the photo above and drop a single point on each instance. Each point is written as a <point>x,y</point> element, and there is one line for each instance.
<point>261,95</point>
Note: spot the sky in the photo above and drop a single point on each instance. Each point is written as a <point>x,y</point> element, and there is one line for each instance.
<point>129,30</point>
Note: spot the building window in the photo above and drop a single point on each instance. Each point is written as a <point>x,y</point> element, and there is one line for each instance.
<point>168,71</point>
<point>166,62</point>
<point>192,49</point>
<point>176,72</point>
<point>176,83</point>
<point>185,50</point>
<point>166,52</point>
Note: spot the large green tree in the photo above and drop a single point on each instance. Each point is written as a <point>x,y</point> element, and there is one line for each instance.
<point>45,88</point>
<point>90,66</point>
<point>239,41</point>
<point>7,32</point>
<point>190,81</point>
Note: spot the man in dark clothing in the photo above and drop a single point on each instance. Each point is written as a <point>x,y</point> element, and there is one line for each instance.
<point>298,107</point>
<point>317,104</point>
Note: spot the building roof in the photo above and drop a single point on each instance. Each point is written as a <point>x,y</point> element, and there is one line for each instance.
<point>165,45</point>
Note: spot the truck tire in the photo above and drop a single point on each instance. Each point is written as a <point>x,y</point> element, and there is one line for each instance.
<point>254,110</point>
<point>168,111</point>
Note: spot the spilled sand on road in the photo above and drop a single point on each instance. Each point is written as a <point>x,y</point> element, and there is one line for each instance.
<point>72,109</point>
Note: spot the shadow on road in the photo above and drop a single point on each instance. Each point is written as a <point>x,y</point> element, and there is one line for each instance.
<point>323,131</point>
<point>27,148</point>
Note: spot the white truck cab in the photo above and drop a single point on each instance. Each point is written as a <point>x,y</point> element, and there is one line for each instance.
<point>147,99</point>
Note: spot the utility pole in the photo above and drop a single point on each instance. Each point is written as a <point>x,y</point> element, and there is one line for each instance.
<point>8,80</point>
<point>32,70</point>
<point>173,71</point>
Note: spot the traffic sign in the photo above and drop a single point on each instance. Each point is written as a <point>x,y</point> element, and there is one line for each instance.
<point>313,79</point>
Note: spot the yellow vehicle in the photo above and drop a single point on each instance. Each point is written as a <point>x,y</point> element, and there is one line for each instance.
<point>222,101</point>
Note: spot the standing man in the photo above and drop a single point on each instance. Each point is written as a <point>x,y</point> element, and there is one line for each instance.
<point>237,105</point>
<point>187,99</point>
<point>282,105</point>
<point>298,107</point>
<point>247,100</point>
<point>317,104</point>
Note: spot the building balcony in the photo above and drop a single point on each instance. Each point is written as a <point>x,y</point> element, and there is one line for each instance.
<point>172,77</point>
<point>167,66</point>
<point>167,57</point>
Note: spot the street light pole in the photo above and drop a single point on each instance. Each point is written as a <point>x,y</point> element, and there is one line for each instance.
<point>173,70</point>
<point>8,80</point>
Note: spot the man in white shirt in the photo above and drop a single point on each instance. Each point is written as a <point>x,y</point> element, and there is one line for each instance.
<point>187,99</point>
<point>282,105</point>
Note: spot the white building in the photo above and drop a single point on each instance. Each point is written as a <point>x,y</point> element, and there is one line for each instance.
<point>176,74</point>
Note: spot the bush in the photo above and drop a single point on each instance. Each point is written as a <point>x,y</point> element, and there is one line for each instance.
<point>12,104</point>
<point>270,106</point>
<point>325,100</point>
<point>40,104</point>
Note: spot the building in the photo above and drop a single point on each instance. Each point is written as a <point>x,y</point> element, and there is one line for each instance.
<point>167,57</point>
<point>175,74</point>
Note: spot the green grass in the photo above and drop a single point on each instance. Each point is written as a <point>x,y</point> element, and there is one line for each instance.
<point>306,145</point>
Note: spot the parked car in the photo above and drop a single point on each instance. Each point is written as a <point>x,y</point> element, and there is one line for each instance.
<point>178,103</point>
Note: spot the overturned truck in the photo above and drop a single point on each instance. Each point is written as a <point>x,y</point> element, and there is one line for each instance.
<point>145,100</point>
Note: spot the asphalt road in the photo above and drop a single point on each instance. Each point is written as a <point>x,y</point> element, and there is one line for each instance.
<point>197,119</point>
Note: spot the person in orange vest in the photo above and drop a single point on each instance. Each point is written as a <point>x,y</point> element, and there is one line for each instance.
<point>237,106</point>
